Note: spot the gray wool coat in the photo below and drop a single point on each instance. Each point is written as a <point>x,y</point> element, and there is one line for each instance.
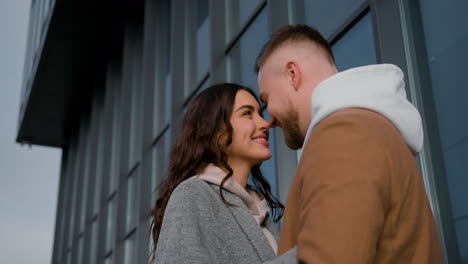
<point>198,227</point>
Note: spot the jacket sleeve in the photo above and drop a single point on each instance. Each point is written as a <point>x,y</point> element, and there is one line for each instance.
<point>343,196</point>
<point>184,236</point>
<point>289,256</point>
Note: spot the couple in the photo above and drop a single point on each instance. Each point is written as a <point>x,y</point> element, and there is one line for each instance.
<point>356,196</point>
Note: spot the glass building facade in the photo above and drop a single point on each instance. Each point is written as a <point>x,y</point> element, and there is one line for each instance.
<point>109,82</point>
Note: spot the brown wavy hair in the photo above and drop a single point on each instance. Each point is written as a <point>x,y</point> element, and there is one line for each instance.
<point>205,134</point>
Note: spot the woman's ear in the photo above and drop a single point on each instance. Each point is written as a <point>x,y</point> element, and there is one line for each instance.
<point>294,74</point>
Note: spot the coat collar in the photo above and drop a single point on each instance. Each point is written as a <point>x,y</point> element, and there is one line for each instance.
<point>249,211</point>
<point>256,205</point>
<point>249,226</point>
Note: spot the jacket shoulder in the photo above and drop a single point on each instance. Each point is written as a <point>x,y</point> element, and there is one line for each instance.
<point>360,115</point>
<point>192,192</point>
<point>361,123</point>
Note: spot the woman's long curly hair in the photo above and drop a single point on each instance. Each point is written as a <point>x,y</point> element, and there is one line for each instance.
<point>205,134</point>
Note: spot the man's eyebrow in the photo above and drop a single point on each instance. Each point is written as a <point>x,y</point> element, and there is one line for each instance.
<point>245,106</point>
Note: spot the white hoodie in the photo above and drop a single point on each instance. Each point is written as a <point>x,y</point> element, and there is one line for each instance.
<point>379,88</point>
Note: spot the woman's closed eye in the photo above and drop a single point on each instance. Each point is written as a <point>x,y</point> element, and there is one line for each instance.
<point>247,113</point>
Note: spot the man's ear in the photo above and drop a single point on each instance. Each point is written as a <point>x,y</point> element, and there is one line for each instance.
<point>294,74</point>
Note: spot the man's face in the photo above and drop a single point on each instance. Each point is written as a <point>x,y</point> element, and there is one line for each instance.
<point>276,91</point>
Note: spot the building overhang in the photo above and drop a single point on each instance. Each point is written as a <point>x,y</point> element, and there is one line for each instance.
<point>81,36</point>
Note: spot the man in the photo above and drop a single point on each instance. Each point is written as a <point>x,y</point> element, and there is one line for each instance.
<point>357,195</point>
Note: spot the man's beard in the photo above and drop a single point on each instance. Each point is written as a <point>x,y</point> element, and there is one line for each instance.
<point>290,125</point>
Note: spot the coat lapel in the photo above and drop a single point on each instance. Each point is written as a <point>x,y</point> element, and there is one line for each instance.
<point>271,226</point>
<point>250,227</point>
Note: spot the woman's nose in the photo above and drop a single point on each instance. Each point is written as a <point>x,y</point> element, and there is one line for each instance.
<point>264,124</point>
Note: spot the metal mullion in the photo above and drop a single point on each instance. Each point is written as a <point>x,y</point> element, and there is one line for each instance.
<point>73,189</point>
<point>190,8</point>
<point>133,34</point>
<point>218,39</point>
<point>431,157</point>
<point>71,159</point>
<point>149,71</point>
<point>79,187</point>
<point>140,141</point>
<point>124,138</point>
<point>388,35</point>
<point>113,66</point>
<point>85,129</point>
<point>177,66</point>
<point>92,152</point>
<point>27,60</point>
<point>60,211</point>
<point>286,158</point>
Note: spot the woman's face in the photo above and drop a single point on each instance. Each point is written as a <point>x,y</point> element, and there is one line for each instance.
<point>250,131</point>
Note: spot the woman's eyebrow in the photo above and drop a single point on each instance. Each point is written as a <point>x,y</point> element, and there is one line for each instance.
<point>245,106</point>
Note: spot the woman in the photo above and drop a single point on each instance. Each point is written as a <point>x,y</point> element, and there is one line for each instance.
<point>206,212</point>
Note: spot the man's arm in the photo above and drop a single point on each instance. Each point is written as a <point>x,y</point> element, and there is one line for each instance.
<point>344,196</point>
<point>288,257</point>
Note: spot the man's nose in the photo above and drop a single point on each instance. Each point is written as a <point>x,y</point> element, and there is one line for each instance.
<point>273,123</point>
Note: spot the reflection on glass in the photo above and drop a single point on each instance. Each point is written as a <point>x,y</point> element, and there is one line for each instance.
<point>108,260</point>
<point>328,15</point>
<point>162,107</point>
<point>94,242</point>
<point>129,250</point>
<point>156,170</point>
<point>206,83</point>
<point>80,251</point>
<point>356,48</point>
<point>161,92</point>
<point>110,229</point>
<point>150,240</point>
<point>99,160</point>
<point>68,257</point>
<point>198,43</point>
<point>45,9</point>
<point>202,53</point>
<point>242,56</point>
<point>167,97</point>
<point>86,175</point>
<point>135,49</point>
<point>74,190</point>
<point>130,210</point>
<point>237,15</point>
<point>114,166</point>
<point>160,159</point>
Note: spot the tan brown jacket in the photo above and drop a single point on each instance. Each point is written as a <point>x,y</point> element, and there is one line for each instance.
<point>358,197</point>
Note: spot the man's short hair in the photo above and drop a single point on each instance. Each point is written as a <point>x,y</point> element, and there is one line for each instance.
<point>293,33</point>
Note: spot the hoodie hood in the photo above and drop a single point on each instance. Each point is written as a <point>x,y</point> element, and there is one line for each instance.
<point>380,88</point>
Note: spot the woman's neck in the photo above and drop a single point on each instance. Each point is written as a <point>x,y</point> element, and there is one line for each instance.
<point>241,171</point>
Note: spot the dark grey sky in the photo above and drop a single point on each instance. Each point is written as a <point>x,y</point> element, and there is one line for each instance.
<point>28,176</point>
